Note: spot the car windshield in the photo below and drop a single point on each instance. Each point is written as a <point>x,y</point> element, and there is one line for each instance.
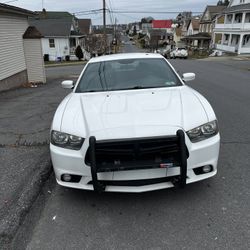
<point>127,74</point>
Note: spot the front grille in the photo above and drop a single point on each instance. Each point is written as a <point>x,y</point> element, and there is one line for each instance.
<point>145,153</point>
<point>138,183</point>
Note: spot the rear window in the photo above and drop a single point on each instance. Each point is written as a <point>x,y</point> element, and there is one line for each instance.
<point>127,74</point>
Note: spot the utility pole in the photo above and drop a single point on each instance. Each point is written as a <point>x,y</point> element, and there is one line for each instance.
<point>104,26</point>
<point>115,36</point>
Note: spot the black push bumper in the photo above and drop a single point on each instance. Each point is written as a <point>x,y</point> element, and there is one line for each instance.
<point>182,153</point>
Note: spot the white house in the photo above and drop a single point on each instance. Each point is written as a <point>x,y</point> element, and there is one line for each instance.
<point>62,33</point>
<point>193,26</point>
<point>59,37</point>
<point>232,28</point>
<point>20,49</point>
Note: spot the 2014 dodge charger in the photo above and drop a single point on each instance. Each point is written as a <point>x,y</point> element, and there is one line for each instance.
<point>132,125</point>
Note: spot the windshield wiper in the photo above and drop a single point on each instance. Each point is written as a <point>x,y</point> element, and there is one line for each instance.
<point>141,87</point>
<point>90,91</point>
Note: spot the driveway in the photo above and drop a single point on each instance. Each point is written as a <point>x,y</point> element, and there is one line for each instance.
<point>25,118</point>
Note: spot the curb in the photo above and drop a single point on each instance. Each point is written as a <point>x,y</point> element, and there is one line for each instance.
<point>64,64</point>
<point>10,223</point>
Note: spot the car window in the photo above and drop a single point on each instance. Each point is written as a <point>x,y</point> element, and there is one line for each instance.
<point>127,74</point>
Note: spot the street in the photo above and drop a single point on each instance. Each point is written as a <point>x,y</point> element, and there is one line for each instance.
<point>213,214</point>
<point>128,47</point>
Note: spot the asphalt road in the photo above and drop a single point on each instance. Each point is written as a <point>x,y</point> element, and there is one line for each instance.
<point>213,214</point>
<point>128,46</point>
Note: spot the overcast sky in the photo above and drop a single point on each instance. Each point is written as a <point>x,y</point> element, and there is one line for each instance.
<point>74,6</point>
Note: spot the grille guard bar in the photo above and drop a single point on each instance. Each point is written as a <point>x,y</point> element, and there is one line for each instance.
<point>183,154</point>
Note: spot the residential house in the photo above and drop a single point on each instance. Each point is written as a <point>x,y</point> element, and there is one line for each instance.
<point>160,35</point>
<point>20,49</point>
<point>158,38</point>
<point>193,26</point>
<point>208,18</point>
<point>163,25</point>
<point>201,38</point>
<point>60,33</point>
<point>232,28</point>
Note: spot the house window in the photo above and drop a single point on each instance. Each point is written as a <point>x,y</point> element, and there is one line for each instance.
<point>221,20</point>
<point>229,18</point>
<point>218,38</point>
<point>52,43</point>
<point>226,39</point>
<point>247,20</point>
<point>238,18</point>
<point>246,41</point>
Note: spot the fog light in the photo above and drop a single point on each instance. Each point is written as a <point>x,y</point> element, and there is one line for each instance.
<point>207,168</point>
<point>66,177</point>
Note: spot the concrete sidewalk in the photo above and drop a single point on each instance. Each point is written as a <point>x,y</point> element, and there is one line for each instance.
<point>25,118</point>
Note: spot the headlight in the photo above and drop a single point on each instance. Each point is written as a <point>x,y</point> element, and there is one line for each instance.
<point>203,132</point>
<point>66,141</point>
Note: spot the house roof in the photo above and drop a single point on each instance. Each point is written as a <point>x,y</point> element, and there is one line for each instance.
<point>53,14</point>
<point>162,24</point>
<point>84,25</point>
<point>53,27</point>
<point>195,23</point>
<point>213,10</point>
<point>32,33</point>
<point>236,8</point>
<point>16,10</point>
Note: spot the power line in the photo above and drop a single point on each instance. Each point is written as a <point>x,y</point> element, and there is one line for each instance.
<point>152,12</point>
<point>111,9</point>
<point>88,11</point>
<point>133,12</point>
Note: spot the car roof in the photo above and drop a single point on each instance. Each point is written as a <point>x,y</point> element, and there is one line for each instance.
<point>124,56</point>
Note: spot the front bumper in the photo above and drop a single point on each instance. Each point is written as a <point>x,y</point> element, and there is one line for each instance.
<point>72,162</point>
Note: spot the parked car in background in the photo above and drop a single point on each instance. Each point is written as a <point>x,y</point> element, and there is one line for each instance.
<point>179,53</point>
<point>132,125</point>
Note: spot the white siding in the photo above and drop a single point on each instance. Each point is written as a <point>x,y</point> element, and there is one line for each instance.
<point>61,48</point>
<point>12,58</point>
<point>34,60</point>
<point>236,2</point>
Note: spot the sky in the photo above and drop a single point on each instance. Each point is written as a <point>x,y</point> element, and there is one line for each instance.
<point>74,6</point>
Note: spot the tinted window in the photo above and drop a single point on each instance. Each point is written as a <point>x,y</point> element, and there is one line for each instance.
<point>127,74</point>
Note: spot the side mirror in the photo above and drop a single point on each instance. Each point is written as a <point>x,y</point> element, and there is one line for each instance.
<point>188,77</point>
<point>68,84</point>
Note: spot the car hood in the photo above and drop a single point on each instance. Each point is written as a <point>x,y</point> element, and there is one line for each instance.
<point>133,113</point>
